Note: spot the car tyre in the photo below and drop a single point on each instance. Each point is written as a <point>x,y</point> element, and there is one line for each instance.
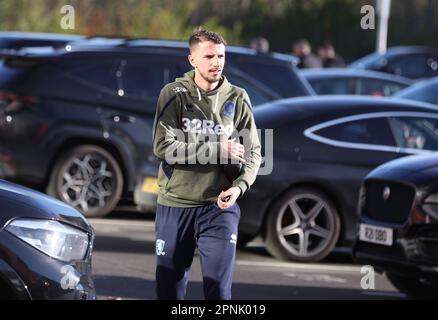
<point>88,178</point>
<point>412,287</point>
<point>302,225</point>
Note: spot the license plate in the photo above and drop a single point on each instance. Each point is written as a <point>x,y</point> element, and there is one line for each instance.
<point>375,234</point>
<point>150,185</point>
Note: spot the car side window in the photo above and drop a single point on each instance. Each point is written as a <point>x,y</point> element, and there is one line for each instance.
<point>257,96</point>
<point>333,86</point>
<point>377,87</point>
<point>415,132</point>
<point>183,67</point>
<point>374,131</point>
<point>145,80</point>
<point>98,74</point>
<point>280,77</point>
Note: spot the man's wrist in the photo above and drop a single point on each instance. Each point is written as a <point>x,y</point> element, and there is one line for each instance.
<point>240,191</point>
<point>241,185</point>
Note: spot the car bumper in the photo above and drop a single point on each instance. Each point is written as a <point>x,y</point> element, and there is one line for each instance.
<point>31,274</point>
<point>146,193</point>
<point>405,257</point>
<point>146,188</point>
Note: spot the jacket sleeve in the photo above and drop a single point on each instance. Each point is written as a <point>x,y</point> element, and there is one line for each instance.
<point>169,141</point>
<point>248,131</point>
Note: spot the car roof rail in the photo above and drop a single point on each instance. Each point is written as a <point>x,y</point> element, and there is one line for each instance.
<point>30,52</point>
<point>123,42</point>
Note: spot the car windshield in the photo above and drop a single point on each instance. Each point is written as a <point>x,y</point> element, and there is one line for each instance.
<point>415,132</point>
<point>368,61</point>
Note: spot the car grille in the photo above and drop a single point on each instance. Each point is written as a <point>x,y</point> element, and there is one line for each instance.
<point>394,209</point>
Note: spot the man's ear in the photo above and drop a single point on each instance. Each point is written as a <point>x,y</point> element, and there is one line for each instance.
<point>192,60</point>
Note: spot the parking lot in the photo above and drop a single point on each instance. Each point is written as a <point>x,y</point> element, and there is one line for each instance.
<point>304,133</point>
<point>124,268</point>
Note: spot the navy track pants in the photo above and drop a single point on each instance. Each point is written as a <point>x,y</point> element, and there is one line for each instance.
<point>178,231</point>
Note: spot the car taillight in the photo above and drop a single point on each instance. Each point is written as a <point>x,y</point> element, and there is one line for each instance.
<point>417,217</point>
<point>10,97</point>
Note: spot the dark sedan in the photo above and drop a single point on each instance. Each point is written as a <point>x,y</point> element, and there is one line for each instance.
<point>426,91</point>
<point>350,81</point>
<point>412,62</point>
<point>321,149</point>
<point>45,247</point>
<point>398,233</point>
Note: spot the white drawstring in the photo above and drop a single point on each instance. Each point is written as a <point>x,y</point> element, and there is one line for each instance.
<point>217,99</point>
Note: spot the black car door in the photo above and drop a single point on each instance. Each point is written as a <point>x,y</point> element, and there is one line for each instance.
<point>354,146</point>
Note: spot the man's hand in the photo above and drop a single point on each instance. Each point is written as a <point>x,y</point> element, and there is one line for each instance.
<point>233,150</point>
<point>227,198</point>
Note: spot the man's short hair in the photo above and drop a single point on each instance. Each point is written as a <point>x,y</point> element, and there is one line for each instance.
<point>200,35</point>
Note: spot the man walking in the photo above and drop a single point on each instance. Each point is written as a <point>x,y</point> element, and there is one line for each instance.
<point>198,122</point>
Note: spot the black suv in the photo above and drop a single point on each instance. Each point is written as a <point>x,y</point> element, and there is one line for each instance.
<point>17,39</point>
<point>77,122</point>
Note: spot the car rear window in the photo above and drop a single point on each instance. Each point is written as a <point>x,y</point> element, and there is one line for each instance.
<point>333,86</point>
<point>410,66</point>
<point>376,87</point>
<point>279,77</point>
<point>373,131</point>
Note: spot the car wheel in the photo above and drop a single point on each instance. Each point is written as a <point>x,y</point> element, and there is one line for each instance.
<point>414,288</point>
<point>87,178</point>
<point>302,225</point>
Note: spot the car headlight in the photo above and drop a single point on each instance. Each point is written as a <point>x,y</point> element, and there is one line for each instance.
<point>55,239</point>
<point>430,205</point>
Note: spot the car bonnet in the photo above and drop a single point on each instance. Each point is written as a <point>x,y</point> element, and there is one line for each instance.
<point>17,201</point>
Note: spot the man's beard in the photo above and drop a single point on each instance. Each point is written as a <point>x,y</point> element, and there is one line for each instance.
<point>211,79</point>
